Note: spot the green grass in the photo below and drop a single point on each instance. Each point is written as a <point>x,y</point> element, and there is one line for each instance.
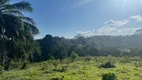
<point>126,69</point>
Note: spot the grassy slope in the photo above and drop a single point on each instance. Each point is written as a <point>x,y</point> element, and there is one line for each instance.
<point>126,69</point>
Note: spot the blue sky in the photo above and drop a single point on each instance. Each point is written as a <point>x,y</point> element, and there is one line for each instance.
<point>88,17</point>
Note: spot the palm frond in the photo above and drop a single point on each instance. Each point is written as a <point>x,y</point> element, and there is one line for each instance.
<point>14,12</point>
<point>15,22</point>
<point>28,20</point>
<point>3,2</point>
<point>21,6</point>
<point>12,22</point>
<point>32,28</point>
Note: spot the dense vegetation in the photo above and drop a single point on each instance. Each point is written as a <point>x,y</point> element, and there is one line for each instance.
<point>79,58</point>
<point>127,68</point>
<point>60,48</point>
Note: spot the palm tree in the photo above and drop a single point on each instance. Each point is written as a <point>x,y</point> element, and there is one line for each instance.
<point>14,23</point>
<point>13,20</point>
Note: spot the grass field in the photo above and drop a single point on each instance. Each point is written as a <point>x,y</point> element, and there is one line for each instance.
<point>127,68</point>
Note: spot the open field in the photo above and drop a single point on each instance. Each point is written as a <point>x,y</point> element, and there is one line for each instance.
<point>80,69</point>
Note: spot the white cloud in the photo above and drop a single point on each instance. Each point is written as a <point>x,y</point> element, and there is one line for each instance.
<point>86,33</point>
<point>113,27</point>
<point>138,18</point>
<point>106,30</point>
<point>117,23</point>
<point>127,31</point>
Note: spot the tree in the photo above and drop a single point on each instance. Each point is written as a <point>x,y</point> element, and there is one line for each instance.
<point>14,22</point>
<point>109,76</point>
<point>18,27</point>
<point>74,56</point>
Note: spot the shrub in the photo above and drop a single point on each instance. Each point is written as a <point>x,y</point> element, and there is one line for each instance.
<point>74,56</point>
<point>59,78</point>
<point>24,66</point>
<point>64,68</point>
<point>56,78</point>
<point>109,76</point>
<point>107,65</point>
<point>55,64</point>
<point>87,59</point>
<point>1,68</point>
<point>125,60</point>
<point>15,65</point>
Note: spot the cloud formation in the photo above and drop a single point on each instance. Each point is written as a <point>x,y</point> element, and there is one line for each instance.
<point>138,18</point>
<point>112,27</point>
<point>117,23</point>
<point>106,30</point>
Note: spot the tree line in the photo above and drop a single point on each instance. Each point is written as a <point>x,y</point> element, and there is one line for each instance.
<point>60,47</point>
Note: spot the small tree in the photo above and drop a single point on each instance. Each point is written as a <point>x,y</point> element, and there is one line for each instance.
<point>109,76</point>
<point>107,65</point>
<point>74,56</point>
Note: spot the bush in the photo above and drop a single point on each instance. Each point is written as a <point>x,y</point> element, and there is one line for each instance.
<point>109,76</point>
<point>62,69</point>
<point>74,56</point>
<point>87,59</point>
<point>56,78</point>
<point>59,78</point>
<point>107,65</point>
<point>125,60</point>
<point>1,68</point>
<point>24,66</point>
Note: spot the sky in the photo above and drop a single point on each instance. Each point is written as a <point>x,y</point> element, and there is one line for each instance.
<point>68,18</point>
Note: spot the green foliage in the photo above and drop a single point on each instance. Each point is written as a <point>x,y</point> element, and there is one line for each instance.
<point>118,46</point>
<point>56,79</point>
<point>1,68</point>
<point>125,59</point>
<point>74,56</point>
<point>24,66</point>
<point>20,29</point>
<point>109,76</point>
<point>62,69</point>
<point>107,65</point>
<point>77,70</point>
<point>24,48</point>
<point>87,59</point>
<point>15,65</point>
